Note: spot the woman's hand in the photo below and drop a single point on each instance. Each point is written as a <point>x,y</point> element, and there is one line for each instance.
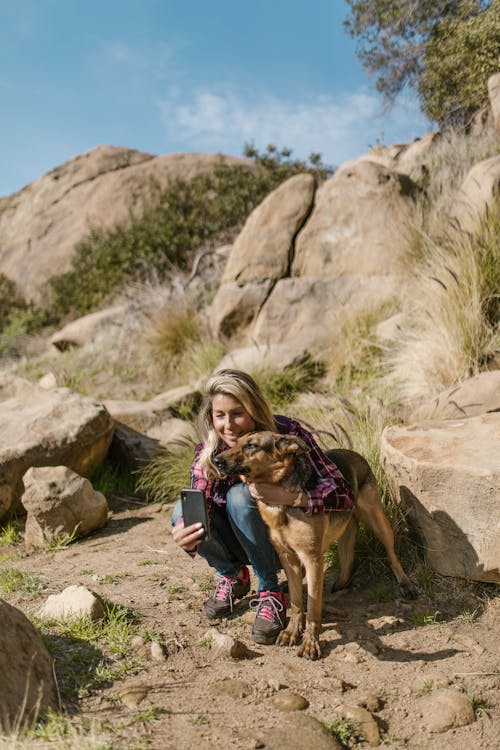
<point>187,537</point>
<point>272,494</point>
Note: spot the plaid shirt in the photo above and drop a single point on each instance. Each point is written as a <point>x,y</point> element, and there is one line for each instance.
<point>330,492</point>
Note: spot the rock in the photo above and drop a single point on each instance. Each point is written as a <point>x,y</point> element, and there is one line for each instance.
<point>294,307</point>
<point>132,695</point>
<point>253,358</point>
<point>447,474</point>
<point>263,248</point>
<point>364,722</point>
<point>231,688</point>
<point>89,328</point>
<point>299,731</point>
<point>236,306</point>
<point>41,224</point>
<point>286,700</point>
<point>445,710</point>
<point>476,395</point>
<point>47,428</point>
<point>157,651</point>
<point>60,503</point>
<point>133,448</point>
<point>144,415</point>
<point>478,193</point>
<point>27,682</point>
<point>359,224</point>
<point>225,645</point>
<point>48,381</point>
<point>73,602</point>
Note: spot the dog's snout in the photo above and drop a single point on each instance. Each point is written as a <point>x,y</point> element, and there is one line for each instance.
<point>218,461</point>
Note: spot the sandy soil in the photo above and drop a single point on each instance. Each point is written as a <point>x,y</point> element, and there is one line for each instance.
<point>375,654</point>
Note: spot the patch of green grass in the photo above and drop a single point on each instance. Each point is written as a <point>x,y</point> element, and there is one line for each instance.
<point>282,386</point>
<point>9,534</point>
<point>468,616</point>
<point>425,618</point>
<point>91,654</point>
<point>111,480</point>
<point>345,731</point>
<point>425,688</point>
<point>15,580</point>
<point>164,477</point>
<point>62,541</point>
<point>479,706</point>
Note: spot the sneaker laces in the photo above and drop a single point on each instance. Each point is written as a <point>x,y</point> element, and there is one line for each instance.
<point>268,607</point>
<point>224,590</point>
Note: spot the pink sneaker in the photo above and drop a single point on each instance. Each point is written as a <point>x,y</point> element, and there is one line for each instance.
<point>270,616</point>
<point>228,589</point>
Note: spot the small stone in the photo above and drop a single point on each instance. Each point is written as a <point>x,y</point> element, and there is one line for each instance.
<point>73,602</point>
<point>232,688</point>
<point>367,726</point>
<point>157,651</point>
<point>288,701</point>
<point>370,701</point>
<point>446,709</point>
<point>136,643</point>
<point>132,695</point>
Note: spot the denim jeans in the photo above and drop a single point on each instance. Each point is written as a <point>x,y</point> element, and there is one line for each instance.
<point>238,536</point>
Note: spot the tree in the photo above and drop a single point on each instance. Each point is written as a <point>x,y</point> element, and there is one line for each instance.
<point>402,42</point>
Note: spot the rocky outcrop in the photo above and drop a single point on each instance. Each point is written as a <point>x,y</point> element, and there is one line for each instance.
<point>358,224</point>
<point>41,224</point>
<point>47,428</point>
<point>60,503</point>
<point>447,474</point>
<point>89,328</point>
<point>477,194</point>
<point>474,396</point>
<point>27,681</point>
<point>261,254</point>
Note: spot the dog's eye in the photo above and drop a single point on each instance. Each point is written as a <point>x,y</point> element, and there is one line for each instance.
<point>250,448</point>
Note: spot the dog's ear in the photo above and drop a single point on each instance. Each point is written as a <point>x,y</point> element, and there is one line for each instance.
<point>291,444</point>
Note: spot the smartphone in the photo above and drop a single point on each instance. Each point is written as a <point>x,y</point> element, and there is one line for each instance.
<point>194,509</point>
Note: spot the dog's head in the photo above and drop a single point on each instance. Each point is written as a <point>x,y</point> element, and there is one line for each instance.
<point>261,457</point>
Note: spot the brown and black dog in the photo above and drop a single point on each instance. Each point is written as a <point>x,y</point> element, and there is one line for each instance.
<point>301,539</point>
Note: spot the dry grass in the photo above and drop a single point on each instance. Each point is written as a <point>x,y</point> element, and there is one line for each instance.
<point>452,327</point>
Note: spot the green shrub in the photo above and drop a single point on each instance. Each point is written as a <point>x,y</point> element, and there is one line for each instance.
<point>164,477</point>
<point>282,386</point>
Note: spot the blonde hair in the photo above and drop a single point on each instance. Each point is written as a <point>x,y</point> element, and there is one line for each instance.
<point>242,387</point>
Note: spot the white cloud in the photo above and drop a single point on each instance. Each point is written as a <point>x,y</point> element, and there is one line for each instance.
<point>339,129</point>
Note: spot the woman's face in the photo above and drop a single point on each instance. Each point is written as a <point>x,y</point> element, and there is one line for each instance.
<point>230,419</point>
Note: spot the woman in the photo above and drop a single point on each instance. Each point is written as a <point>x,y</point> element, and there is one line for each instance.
<point>233,405</point>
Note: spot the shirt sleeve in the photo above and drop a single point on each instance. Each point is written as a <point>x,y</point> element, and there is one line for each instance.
<point>331,491</point>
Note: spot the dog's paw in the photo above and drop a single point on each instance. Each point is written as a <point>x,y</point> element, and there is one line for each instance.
<point>289,637</point>
<point>310,648</point>
<point>408,589</point>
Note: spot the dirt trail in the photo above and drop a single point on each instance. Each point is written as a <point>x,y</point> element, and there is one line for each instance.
<point>373,652</point>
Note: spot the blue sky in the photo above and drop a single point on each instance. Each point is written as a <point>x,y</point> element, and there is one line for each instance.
<point>184,75</point>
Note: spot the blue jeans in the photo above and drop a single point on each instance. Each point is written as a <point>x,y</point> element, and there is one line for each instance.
<point>238,536</point>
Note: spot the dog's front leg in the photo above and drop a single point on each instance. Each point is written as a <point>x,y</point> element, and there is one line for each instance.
<point>291,635</point>
<point>310,647</point>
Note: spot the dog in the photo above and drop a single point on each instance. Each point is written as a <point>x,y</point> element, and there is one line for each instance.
<point>301,539</point>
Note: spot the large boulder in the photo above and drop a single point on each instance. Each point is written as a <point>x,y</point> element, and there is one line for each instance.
<point>41,224</point>
<point>89,328</point>
<point>478,193</point>
<point>360,223</point>
<point>60,503</point>
<point>311,310</point>
<point>447,474</point>
<point>47,428</point>
<point>261,254</point>
<point>263,248</point>
<point>27,682</point>
<point>476,395</point>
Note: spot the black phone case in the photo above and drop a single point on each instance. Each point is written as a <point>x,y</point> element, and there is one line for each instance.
<point>194,509</point>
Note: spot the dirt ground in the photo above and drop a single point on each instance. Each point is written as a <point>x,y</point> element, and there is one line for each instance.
<point>389,656</point>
